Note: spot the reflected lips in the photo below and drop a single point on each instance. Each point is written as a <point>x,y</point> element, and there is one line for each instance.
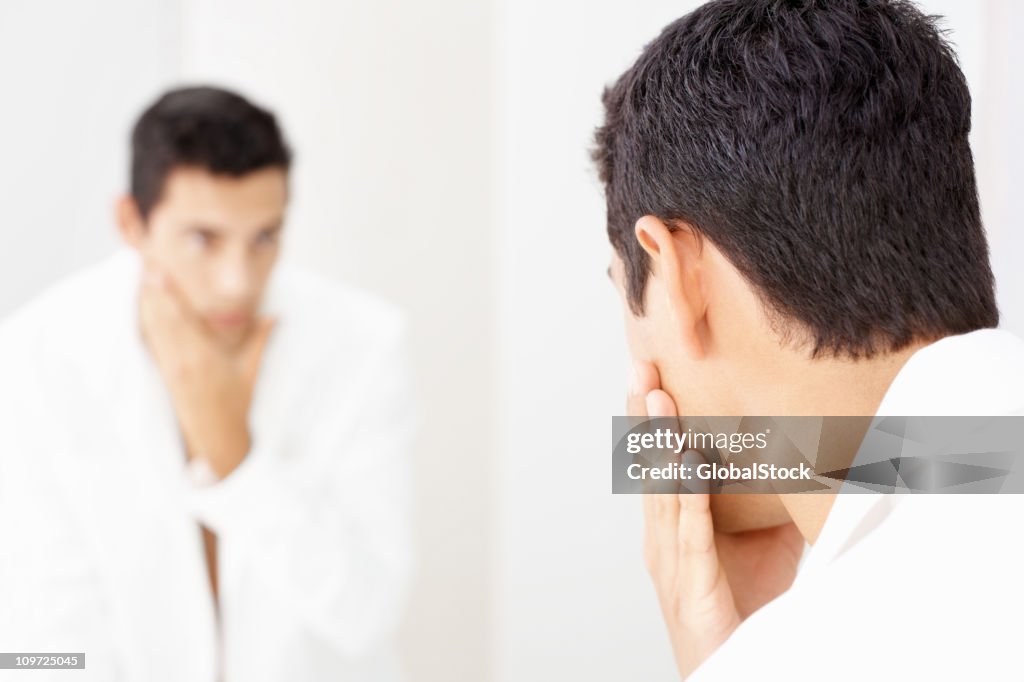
<point>229,320</point>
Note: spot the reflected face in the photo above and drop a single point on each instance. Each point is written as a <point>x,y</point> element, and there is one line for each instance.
<point>217,238</point>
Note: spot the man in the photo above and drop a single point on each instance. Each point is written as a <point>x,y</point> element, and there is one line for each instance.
<point>203,468</point>
<point>793,209</point>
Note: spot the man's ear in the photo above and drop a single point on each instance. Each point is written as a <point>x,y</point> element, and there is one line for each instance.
<point>129,220</point>
<point>676,257</point>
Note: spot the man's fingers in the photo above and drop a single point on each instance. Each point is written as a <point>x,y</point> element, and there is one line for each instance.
<point>696,530</point>
<point>652,552</point>
<point>697,552</point>
<point>660,404</point>
<point>643,379</point>
<point>661,520</point>
<point>162,321</point>
<point>177,336</point>
<point>167,292</point>
<point>666,520</point>
<point>661,509</point>
<point>687,517</point>
<point>680,548</point>
<point>166,309</point>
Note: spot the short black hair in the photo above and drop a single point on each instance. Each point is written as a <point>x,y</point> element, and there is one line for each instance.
<point>822,146</point>
<point>205,127</point>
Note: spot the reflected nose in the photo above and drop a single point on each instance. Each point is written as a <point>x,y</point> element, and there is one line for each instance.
<point>234,281</point>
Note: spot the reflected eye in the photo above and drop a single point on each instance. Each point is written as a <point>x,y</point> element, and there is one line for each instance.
<point>267,237</point>
<point>202,238</point>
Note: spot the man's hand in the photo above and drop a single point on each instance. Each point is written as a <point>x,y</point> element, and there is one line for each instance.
<point>211,388</point>
<point>707,582</point>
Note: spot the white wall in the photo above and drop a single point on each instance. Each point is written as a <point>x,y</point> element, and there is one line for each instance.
<point>984,34</point>
<point>73,79</point>
<point>999,150</point>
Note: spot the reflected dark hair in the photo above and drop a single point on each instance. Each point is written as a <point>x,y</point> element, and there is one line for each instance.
<point>822,146</point>
<point>204,127</point>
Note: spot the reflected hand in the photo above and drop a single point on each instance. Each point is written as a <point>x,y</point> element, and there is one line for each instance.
<point>211,388</point>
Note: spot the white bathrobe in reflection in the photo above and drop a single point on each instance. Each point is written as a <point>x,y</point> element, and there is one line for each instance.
<point>100,545</point>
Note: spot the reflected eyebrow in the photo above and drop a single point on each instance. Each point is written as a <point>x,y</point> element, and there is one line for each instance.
<point>203,227</point>
<point>270,229</point>
<point>273,227</point>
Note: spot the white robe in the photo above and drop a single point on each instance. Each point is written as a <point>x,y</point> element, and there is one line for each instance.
<point>100,544</point>
<point>904,586</point>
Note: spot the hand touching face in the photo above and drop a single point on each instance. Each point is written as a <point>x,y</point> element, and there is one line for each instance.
<point>707,581</point>
<point>211,386</point>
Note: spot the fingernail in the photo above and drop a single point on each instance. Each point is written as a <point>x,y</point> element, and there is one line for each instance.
<point>649,402</point>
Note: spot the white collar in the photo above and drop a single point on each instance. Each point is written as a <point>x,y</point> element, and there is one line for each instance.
<point>956,375</point>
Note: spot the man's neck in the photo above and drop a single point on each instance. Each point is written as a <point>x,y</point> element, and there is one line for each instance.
<point>835,388</point>
<point>793,385</point>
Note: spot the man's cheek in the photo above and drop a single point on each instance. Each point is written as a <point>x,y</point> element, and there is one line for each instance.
<point>188,290</point>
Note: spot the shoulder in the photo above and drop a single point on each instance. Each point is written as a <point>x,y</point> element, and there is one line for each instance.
<point>72,306</point>
<point>960,375</point>
<point>881,593</point>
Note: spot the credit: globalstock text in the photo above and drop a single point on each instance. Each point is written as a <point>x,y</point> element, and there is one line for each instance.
<point>678,471</point>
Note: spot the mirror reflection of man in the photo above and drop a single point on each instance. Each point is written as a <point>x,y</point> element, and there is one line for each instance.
<point>203,467</point>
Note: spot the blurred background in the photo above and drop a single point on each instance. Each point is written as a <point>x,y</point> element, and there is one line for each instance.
<point>442,161</point>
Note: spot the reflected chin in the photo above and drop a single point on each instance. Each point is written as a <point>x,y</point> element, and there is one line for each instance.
<point>230,338</point>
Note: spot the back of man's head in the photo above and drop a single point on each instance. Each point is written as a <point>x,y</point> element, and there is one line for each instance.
<point>822,146</point>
